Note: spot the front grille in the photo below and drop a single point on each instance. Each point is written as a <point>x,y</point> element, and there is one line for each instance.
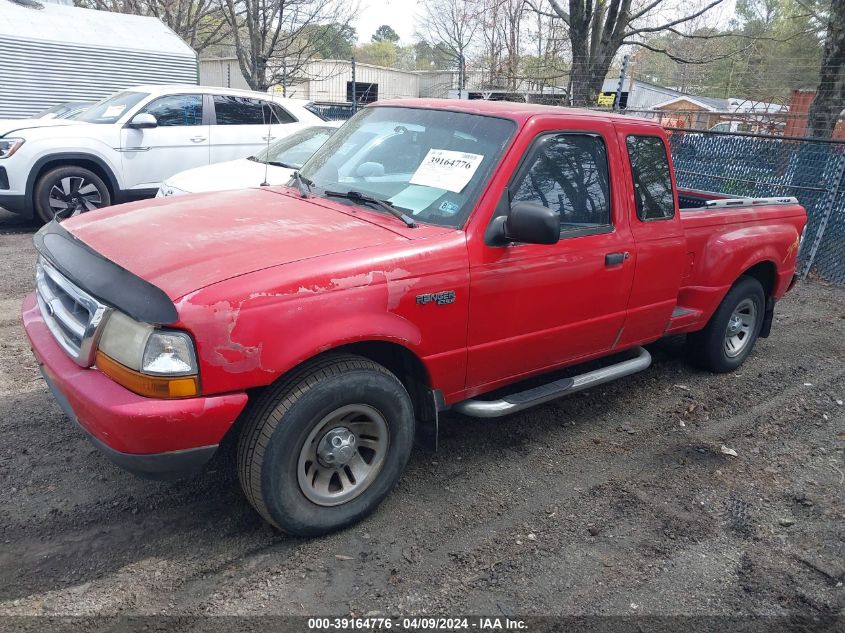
<point>4,179</point>
<point>73,316</point>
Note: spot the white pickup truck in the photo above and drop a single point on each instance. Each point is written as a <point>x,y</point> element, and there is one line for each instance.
<point>123,147</point>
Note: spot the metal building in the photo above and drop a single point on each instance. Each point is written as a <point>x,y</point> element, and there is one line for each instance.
<point>50,53</point>
<point>328,80</point>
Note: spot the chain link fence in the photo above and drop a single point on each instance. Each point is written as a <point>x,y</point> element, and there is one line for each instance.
<point>750,165</point>
<point>332,111</point>
<point>756,166</point>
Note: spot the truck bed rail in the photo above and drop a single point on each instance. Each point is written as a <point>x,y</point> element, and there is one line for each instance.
<point>748,202</point>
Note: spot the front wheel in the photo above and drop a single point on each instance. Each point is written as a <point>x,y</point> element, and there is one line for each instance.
<point>322,449</point>
<point>727,340</point>
<point>67,191</point>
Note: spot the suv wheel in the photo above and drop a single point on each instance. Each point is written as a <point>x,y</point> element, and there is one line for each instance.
<point>323,448</point>
<point>67,191</point>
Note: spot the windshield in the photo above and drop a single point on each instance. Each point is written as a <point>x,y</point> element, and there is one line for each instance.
<point>110,109</point>
<point>292,151</point>
<point>432,164</point>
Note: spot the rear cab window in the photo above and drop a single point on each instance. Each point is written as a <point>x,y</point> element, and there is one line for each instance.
<point>652,179</point>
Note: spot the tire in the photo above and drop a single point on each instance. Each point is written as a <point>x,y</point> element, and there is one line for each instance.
<point>78,189</point>
<point>321,408</point>
<point>722,350</point>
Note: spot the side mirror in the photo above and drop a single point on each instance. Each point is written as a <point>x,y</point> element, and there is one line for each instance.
<point>529,223</point>
<point>142,121</point>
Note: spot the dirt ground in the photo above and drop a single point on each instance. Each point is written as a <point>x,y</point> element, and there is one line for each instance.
<point>617,501</point>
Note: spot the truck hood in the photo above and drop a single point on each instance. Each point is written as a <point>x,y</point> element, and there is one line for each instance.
<point>185,243</point>
<point>7,126</point>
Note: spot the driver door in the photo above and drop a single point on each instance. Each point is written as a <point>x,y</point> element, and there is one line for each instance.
<point>534,307</point>
<point>180,141</point>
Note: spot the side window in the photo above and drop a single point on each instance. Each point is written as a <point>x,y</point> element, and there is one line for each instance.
<point>568,173</point>
<point>176,110</point>
<point>652,180</point>
<point>240,111</point>
<point>281,115</point>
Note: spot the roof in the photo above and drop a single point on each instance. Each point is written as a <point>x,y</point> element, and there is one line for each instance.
<point>707,103</point>
<point>214,90</point>
<point>510,109</point>
<point>72,26</point>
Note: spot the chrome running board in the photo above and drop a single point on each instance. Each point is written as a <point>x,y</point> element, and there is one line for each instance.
<point>553,390</point>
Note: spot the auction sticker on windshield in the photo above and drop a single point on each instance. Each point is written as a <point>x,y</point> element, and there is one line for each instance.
<point>446,169</point>
<point>113,111</point>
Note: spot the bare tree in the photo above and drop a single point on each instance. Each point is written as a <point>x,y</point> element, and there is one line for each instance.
<point>276,39</point>
<point>453,24</point>
<point>548,61</point>
<point>491,35</point>
<point>830,95</point>
<point>513,12</point>
<point>198,22</point>
<point>599,28</point>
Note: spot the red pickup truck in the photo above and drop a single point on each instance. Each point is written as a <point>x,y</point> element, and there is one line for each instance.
<point>432,255</point>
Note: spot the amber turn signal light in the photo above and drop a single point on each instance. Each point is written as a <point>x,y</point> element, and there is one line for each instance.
<point>149,386</point>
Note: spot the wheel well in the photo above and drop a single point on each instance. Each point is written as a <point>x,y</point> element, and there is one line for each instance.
<point>765,273</point>
<point>86,163</point>
<point>403,363</point>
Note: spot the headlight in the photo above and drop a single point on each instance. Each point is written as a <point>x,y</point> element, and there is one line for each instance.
<point>9,146</point>
<point>152,362</point>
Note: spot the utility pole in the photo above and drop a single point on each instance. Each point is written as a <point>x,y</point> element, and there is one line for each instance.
<point>622,74</point>
<point>354,89</point>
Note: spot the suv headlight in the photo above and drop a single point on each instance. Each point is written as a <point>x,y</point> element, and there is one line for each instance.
<point>9,146</point>
<point>150,361</point>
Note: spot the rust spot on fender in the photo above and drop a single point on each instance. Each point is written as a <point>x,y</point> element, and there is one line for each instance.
<point>219,349</point>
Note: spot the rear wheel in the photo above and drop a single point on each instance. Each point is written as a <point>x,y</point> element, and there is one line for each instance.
<point>67,191</point>
<point>727,340</point>
<point>322,449</point>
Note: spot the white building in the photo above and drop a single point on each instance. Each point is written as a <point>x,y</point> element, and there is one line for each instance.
<point>327,80</point>
<point>51,53</point>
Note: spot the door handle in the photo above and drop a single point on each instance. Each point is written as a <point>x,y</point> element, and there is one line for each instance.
<point>614,259</point>
<point>268,138</point>
<point>197,139</point>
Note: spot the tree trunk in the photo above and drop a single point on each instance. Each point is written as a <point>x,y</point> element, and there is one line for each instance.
<point>830,96</point>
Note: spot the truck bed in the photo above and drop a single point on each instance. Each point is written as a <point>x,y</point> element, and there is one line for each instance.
<point>725,234</point>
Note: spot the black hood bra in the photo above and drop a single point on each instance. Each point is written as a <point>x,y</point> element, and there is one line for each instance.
<point>102,278</point>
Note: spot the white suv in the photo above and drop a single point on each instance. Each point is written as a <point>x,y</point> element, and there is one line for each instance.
<point>123,147</point>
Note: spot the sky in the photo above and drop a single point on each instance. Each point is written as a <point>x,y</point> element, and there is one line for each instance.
<point>399,14</point>
<point>402,16</point>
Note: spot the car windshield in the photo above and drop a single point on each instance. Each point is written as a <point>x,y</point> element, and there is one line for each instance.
<point>110,109</point>
<point>292,151</point>
<point>51,113</point>
<point>431,164</point>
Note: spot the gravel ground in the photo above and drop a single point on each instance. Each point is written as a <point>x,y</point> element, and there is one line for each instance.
<point>617,501</point>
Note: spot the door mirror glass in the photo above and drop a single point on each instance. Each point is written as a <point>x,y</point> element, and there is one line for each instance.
<point>531,223</point>
<point>142,121</point>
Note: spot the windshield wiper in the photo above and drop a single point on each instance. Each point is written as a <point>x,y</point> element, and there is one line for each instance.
<point>303,184</point>
<point>357,196</point>
<point>276,163</point>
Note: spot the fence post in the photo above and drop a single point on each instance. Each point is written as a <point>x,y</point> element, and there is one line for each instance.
<point>829,203</point>
<point>354,88</point>
<point>620,86</point>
